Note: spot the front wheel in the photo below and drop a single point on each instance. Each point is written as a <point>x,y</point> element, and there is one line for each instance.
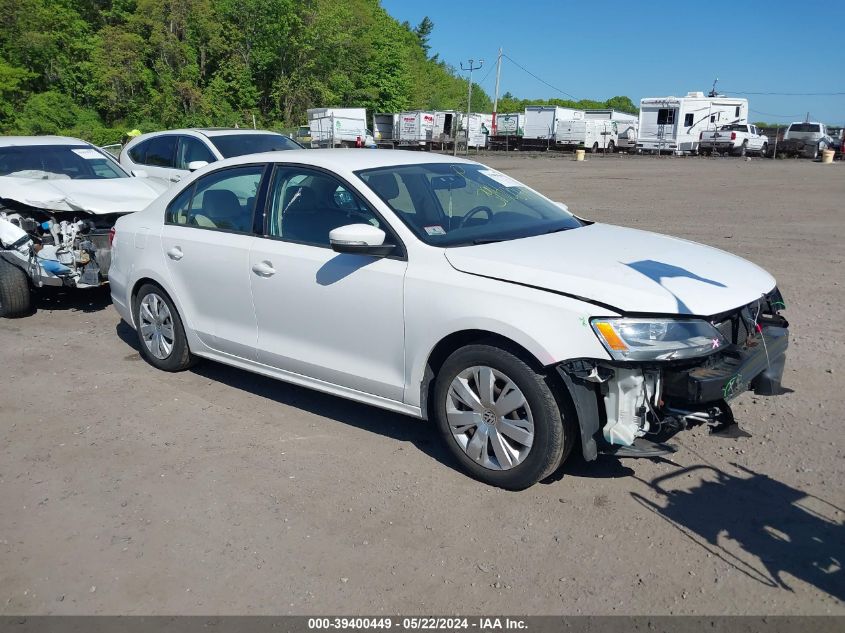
<point>764,151</point>
<point>500,418</point>
<point>160,332</point>
<point>15,295</point>
<point>595,148</point>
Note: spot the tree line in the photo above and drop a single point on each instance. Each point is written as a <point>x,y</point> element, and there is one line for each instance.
<point>96,68</point>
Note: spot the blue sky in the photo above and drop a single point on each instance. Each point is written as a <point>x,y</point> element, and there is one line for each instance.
<point>650,49</point>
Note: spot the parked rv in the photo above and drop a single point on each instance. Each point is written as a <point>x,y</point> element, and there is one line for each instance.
<point>339,127</point>
<point>737,138</point>
<point>674,124</point>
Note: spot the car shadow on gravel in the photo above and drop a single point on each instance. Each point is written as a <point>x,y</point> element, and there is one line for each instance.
<point>393,425</point>
<point>759,526</point>
<point>79,300</point>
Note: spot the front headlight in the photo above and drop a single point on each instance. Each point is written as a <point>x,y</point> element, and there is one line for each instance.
<point>657,339</point>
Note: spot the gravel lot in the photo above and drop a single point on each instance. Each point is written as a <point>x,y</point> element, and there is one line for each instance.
<point>127,490</point>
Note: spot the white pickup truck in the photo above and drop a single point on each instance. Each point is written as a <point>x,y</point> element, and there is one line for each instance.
<point>736,138</point>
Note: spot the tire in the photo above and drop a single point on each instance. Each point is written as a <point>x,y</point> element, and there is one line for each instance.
<point>611,147</point>
<point>551,419</point>
<point>156,315</point>
<point>15,295</point>
<point>595,148</point>
<point>743,149</point>
<point>764,151</point>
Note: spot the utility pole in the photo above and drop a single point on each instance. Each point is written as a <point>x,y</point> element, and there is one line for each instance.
<point>496,94</point>
<point>471,67</point>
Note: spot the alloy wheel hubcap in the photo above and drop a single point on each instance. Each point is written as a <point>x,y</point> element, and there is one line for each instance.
<point>156,325</point>
<point>489,418</point>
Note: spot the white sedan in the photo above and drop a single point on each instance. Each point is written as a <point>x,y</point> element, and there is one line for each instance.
<point>442,289</point>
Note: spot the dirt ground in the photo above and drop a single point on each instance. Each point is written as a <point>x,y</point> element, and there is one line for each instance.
<point>125,490</point>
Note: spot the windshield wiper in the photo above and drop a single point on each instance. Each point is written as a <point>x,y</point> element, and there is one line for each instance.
<point>487,240</point>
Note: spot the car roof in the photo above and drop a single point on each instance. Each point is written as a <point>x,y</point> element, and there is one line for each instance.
<point>210,132</point>
<point>346,159</point>
<point>11,141</point>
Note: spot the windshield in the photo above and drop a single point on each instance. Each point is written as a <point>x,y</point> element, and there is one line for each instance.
<point>734,128</point>
<point>78,162</point>
<point>457,204</point>
<point>239,144</point>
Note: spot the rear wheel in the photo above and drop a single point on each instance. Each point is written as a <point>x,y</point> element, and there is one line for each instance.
<point>611,147</point>
<point>595,148</point>
<point>160,332</point>
<point>500,418</point>
<point>743,149</point>
<point>15,295</point>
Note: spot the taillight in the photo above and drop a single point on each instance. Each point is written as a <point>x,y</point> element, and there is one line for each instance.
<point>111,236</point>
<point>733,136</point>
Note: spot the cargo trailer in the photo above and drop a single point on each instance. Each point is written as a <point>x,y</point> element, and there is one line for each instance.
<point>386,129</point>
<point>416,129</point>
<point>339,127</point>
<point>541,123</point>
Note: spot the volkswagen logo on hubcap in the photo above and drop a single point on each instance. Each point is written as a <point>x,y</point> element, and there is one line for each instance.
<point>488,416</point>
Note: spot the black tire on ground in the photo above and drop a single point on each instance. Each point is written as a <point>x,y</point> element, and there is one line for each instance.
<point>555,424</point>
<point>764,151</point>
<point>180,357</point>
<point>595,148</point>
<point>611,147</point>
<point>743,149</point>
<point>15,294</point>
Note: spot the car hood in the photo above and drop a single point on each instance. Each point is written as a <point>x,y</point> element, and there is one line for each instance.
<point>99,197</point>
<point>625,269</point>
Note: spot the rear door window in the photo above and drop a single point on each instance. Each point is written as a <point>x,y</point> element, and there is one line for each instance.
<point>161,151</point>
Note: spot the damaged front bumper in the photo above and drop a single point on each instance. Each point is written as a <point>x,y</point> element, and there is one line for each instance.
<point>625,405</point>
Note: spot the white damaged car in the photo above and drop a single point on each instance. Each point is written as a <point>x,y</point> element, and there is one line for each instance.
<point>442,289</point>
<point>59,199</point>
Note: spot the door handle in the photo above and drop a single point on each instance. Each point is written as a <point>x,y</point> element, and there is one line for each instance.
<point>264,269</point>
<point>175,253</point>
<point>175,178</point>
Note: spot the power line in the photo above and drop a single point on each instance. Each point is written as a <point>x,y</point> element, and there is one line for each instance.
<point>785,94</point>
<point>777,116</point>
<point>543,81</point>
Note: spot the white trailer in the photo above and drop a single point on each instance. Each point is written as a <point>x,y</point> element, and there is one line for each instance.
<point>674,124</point>
<point>593,135</point>
<point>385,128</point>
<point>477,127</point>
<point>339,127</point>
<point>416,128</point>
<point>627,126</point>
<point>541,124</point>
<point>510,124</point>
<point>445,122</point>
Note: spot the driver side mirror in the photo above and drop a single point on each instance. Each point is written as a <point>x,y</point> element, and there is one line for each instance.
<point>361,239</point>
<point>197,164</point>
